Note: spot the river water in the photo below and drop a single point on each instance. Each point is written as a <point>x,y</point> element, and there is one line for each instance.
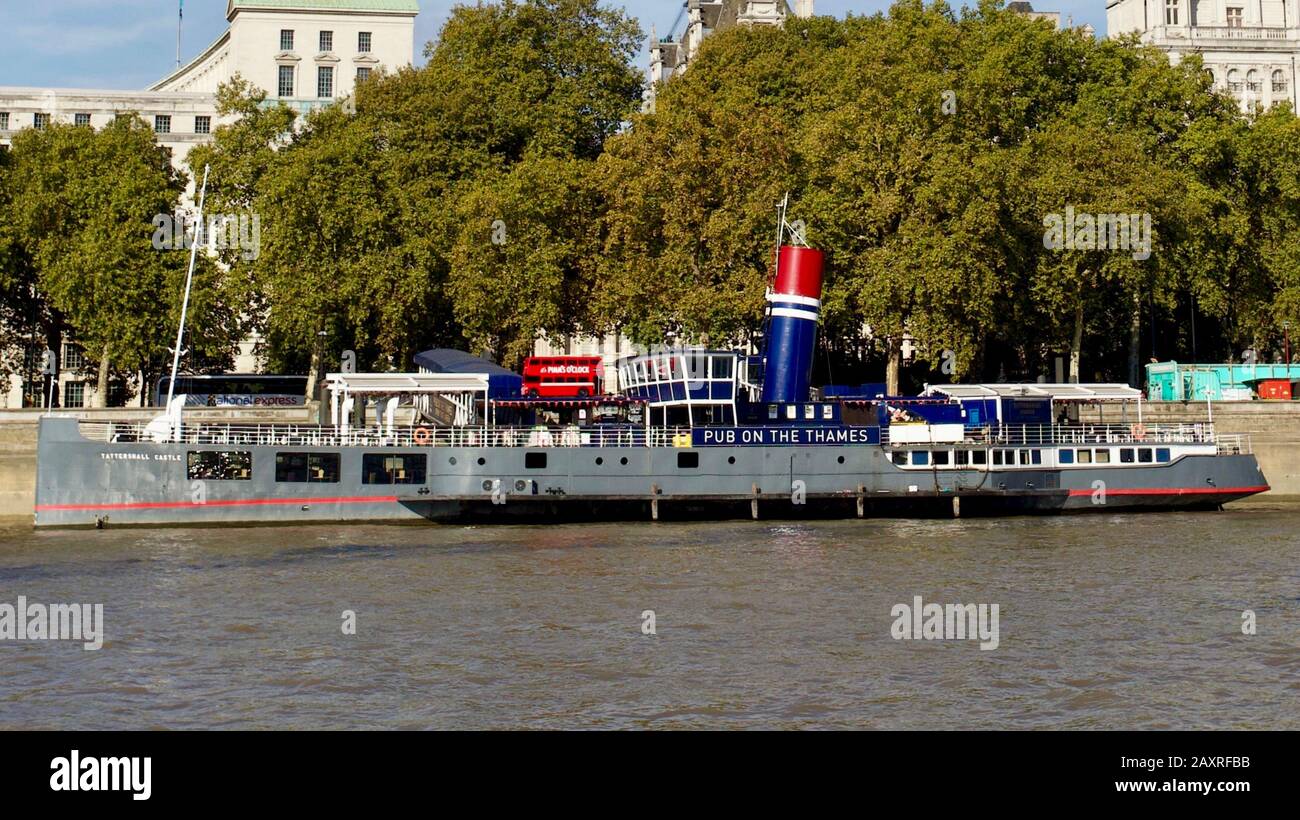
<point>1105,621</point>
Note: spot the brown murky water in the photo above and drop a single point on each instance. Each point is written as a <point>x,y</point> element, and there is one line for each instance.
<point>1105,621</point>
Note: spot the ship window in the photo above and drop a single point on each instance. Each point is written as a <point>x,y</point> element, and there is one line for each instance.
<point>1085,456</point>
<point>312,468</point>
<point>899,458</point>
<point>791,411</point>
<point>962,457</point>
<point>1126,455</point>
<point>828,412</point>
<point>722,367</point>
<point>403,468</point>
<point>535,461</point>
<point>772,411</point>
<point>810,411</point>
<point>940,458</point>
<point>1144,455</point>
<point>1102,457</point>
<point>688,461</point>
<point>979,457</point>
<point>220,465</point>
<point>1065,456</point>
<point>1162,454</point>
<point>997,457</point>
<point>1036,456</point>
<point>920,458</point>
<point>1024,456</point>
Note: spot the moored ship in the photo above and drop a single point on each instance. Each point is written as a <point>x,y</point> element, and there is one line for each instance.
<point>690,433</point>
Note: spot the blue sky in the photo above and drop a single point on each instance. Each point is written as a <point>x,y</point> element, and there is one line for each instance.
<point>129,44</point>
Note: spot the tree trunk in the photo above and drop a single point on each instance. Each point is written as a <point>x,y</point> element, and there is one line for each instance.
<point>893,364</point>
<point>1135,343</point>
<point>1076,343</point>
<point>101,384</point>
<point>313,376</point>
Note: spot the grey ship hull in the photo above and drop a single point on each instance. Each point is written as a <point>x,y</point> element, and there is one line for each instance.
<point>90,483</point>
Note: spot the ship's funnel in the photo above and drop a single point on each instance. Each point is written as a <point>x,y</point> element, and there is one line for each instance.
<point>794,303</point>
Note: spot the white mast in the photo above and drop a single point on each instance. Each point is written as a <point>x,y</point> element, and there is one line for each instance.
<point>189,279</point>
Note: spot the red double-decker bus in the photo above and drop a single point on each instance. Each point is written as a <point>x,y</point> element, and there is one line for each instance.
<point>563,376</point>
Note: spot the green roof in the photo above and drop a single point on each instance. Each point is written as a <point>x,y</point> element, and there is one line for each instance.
<point>328,5</point>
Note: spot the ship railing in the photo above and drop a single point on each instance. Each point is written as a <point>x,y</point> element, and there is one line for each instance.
<point>1233,444</point>
<point>305,435</point>
<point>1044,435</point>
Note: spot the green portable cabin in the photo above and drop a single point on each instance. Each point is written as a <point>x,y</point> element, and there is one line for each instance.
<point>1172,381</point>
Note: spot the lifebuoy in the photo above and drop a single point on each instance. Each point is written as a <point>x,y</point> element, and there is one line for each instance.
<point>1139,432</point>
<point>422,436</point>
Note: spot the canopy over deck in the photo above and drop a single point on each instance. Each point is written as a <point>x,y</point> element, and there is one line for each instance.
<point>447,360</point>
<point>461,390</point>
<point>1085,393</point>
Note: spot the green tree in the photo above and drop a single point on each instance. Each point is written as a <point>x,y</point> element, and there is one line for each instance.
<point>82,225</point>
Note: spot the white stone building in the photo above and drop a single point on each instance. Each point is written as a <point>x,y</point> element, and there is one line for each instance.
<point>303,53</point>
<point>1249,46</point>
<point>669,56</point>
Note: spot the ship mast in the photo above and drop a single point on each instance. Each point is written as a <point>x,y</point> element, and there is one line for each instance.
<point>189,280</point>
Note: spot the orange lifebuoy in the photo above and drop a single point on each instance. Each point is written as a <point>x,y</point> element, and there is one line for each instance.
<point>422,436</point>
<point>1139,432</point>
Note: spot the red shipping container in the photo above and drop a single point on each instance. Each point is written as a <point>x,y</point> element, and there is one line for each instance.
<point>1274,389</point>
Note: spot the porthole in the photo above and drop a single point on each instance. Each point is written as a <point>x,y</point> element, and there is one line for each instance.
<point>840,459</point>
<point>482,461</point>
<point>599,461</point>
<point>731,459</point>
<point>623,461</point>
<point>452,461</point>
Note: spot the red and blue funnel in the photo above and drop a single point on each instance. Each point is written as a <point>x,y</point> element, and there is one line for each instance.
<point>794,302</point>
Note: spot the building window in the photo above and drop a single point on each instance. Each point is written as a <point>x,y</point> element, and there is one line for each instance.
<point>74,358</point>
<point>81,119</point>
<point>40,121</point>
<point>1234,16</point>
<point>379,468</point>
<point>1279,80</point>
<point>325,82</point>
<point>220,465</point>
<point>286,81</point>
<point>1234,80</point>
<point>203,125</point>
<point>162,124</point>
<point>286,39</point>
<point>363,42</point>
<point>327,41</point>
<point>1171,12</point>
<point>309,468</point>
<point>1253,83</point>
<point>74,395</point>
<point>4,120</point>
<point>363,74</point>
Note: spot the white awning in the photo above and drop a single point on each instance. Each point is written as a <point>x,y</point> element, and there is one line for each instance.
<point>390,383</point>
<point>1055,392</point>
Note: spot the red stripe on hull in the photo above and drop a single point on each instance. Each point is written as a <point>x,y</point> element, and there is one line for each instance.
<point>234,502</point>
<point>1180,491</point>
